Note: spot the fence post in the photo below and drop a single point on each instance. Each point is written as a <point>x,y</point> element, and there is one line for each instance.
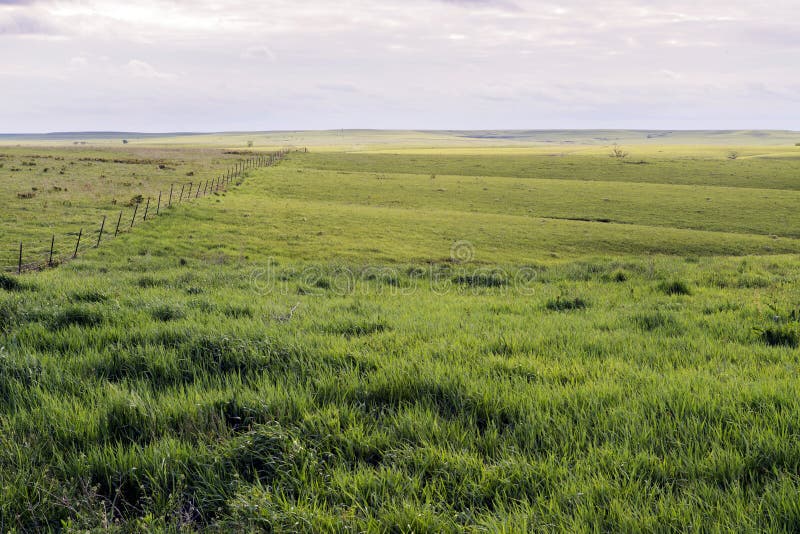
<point>146,208</point>
<point>158,206</point>
<point>80,233</point>
<point>100,235</point>
<point>197,195</point>
<point>19,265</point>
<point>118,221</point>
<point>170,196</point>
<point>189,195</point>
<point>52,245</point>
<point>135,209</point>
<point>181,197</point>
<point>205,189</point>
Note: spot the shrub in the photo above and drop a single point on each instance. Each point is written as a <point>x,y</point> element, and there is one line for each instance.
<point>675,287</point>
<point>136,199</point>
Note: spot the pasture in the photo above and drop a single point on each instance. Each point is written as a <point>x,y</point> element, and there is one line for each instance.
<point>419,333</point>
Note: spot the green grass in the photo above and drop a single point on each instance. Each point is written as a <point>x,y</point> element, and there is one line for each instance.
<point>309,354</point>
<point>47,191</point>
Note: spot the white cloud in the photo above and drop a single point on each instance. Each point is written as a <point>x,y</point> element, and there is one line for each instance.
<point>141,69</point>
<point>239,64</point>
<point>258,52</point>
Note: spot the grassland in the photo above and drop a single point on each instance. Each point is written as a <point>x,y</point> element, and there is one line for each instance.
<point>401,342</point>
<point>48,191</point>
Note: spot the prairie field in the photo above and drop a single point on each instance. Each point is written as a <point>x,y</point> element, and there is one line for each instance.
<point>416,332</point>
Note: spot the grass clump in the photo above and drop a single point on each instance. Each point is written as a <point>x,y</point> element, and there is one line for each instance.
<point>88,295</point>
<point>10,283</point>
<point>562,303</point>
<point>654,320</point>
<point>77,315</point>
<point>785,330</point>
<point>481,280</point>
<point>167,312</point>
<point>674,287</point>
<point>618,275</point>
<point>785,335</point>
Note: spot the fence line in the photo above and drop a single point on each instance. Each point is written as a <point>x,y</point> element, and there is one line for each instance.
<point>35,259</point>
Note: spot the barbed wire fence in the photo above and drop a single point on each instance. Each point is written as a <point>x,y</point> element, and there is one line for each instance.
<point>64,247</point>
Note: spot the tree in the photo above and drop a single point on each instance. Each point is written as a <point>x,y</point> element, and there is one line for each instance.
<point>618,152</point>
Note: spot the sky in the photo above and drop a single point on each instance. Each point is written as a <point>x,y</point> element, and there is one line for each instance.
<point>204,65</point>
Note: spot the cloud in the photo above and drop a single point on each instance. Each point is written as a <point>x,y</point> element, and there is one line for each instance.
<point>208,64</point>
<point>505,5</point>
<point>22,24</point>
<point>141,69</point>
<point>258,52</point>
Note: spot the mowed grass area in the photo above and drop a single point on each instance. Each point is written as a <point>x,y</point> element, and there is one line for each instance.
<point>307,355</point>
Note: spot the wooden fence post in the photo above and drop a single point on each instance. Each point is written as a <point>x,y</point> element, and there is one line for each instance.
<point>158,206</point>
<point>205,189</point>
<point>19,265</point>
<point>80,233</point>
<point>197,195</point>
<point>181,197</point>
<point>135,209</point>
<point>146,209</point>
<point>52,245</point>
<point>100,235</point>
<point>118,221</point>
<point>189,194</point>
<point>170,196</point>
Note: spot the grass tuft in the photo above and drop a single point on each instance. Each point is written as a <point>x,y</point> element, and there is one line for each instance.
<point>10,283</point>
<point>561,303</point>
<point>675,287</point>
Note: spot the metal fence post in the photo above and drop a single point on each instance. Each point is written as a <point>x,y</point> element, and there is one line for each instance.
<point>78,243</point>
<point>100,235</point>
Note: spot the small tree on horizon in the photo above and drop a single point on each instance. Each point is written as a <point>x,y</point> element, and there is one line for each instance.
<point>618,152</point>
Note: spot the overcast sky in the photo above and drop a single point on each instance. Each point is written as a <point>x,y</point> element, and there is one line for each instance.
<point>203,65</point>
